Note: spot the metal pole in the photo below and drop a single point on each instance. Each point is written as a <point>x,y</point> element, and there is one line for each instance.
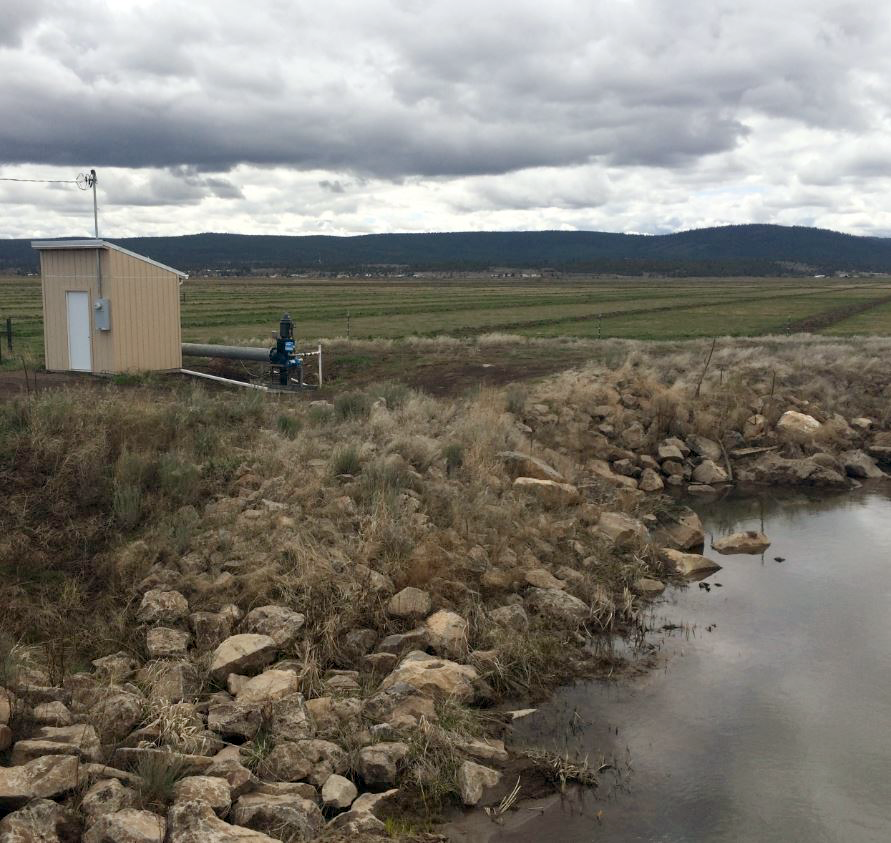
<point>9,332</point>
<point>95,204</point>
<point>93,180</point>
<point>320,365</point>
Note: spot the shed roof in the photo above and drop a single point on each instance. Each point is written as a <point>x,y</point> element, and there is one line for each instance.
<point>92,243</point>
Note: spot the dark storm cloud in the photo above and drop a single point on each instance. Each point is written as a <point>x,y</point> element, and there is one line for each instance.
<point>433,89</point>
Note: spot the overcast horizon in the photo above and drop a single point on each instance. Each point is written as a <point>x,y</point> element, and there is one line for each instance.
<point>631,116</point>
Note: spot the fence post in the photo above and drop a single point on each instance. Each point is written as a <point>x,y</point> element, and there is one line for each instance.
<point>9,333</point>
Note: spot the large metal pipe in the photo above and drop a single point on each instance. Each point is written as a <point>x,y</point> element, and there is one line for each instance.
<point>228,352</point>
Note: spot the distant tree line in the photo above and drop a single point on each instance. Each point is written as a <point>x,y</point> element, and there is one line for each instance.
<point>728,250</point>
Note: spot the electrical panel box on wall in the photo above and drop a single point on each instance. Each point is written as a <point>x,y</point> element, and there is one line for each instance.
<point>102,314</point>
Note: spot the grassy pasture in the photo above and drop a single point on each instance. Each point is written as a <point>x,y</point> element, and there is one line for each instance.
<point>247,309</point>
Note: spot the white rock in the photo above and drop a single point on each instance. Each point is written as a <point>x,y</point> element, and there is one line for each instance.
<point>473,779</point>
<point>799,427</point>
<point>338,792</point>
<point>268,686</point>
<point>709,472</point>
<point>213,790</point>
<point>409,603</point>
<point>127,826</point>
<point>621,529</point>
<point>689,564</point>
<point>435,677</point>
<point>750,541</point>
<point>549,492</point>
<point>241,654</point>
<point>448,633</point>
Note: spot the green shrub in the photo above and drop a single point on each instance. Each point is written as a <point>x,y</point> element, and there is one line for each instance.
<point>127,505</point>
<point>288,425</point>
<point>158,774</point>
<point>515,399</point>
<point>352,405</point>
<point>383,479</point>
<point>454,457</point>
<point>395,394</point>
<point>320,414</point>
<point>345,460</point>
<point>178,479</point>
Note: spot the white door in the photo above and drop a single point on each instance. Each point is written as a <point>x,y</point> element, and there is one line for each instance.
<point>79,356</point>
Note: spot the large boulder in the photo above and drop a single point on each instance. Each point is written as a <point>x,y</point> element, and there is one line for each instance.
<point>52,714</point>
<point>227,765</point>
<point>754,427</point>
<point>409,603</point>
<point>40,821</point>
<point>684,533</point>
<point>105,797</point>
<point>621,529</point>
<point>289,719</point>
<point>280,623</point>
<point>378,764</point>
<point>210,629</point>
<point>175,681</point>
<point>448,633</point>
<point>338,792</point>
<point>400,705</point>
<point>704,447</point>
<point>473,779</point>
<point>286,816</point>
<point>213,790</point>
<point>709,472</point>
<point>162,607</point>
<point>549,492</point>
<point>798,427</point>
<point>688,564</point>
<point>861,466</point>
<point>269,686</point>
<point>438,678</point>
<point>195,822</point>
<point>749,541</point>
<point>357,825</point>
<point>511,616</point>
<point>779,471</point>
<point>162,642</point>
<point>231,720</point>
<point>80,740</point>
<point>556,605</point>
<point>7,706</point>
<point>310,759</point>
<point>403,642</point>
<point>43,778</point>
<point>127,826</point>
<point>525,465</point>
<point>245,653</point>
<point>650,481</point>
<point>332,715</point>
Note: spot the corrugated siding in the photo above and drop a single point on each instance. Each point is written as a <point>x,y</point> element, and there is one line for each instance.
<point>145,330</point>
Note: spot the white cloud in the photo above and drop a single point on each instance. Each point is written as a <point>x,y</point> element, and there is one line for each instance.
<point>346,117</point>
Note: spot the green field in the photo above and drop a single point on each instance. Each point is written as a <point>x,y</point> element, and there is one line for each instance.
<point>245,309</point>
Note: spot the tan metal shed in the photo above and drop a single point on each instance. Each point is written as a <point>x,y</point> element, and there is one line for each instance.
<point>107,309</point>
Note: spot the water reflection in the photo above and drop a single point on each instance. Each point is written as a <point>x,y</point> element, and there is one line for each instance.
<point>770,718</point>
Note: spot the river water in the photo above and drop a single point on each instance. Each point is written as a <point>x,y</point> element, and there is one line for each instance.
<point>768,714</point>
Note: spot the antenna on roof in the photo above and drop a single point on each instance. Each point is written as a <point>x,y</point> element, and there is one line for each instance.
<point>85,181</point>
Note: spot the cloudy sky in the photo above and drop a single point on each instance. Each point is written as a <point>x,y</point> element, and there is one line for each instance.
<point>356,116</point>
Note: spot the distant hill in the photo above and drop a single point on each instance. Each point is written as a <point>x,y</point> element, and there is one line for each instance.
<point>728,250</point>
